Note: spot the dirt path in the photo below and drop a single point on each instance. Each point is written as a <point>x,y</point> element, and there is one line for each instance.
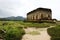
<point>42,36</point>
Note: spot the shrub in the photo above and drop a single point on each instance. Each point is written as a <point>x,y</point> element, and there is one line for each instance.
<point>54,32</point>
<point>13,33</point>
<point>55,38</point>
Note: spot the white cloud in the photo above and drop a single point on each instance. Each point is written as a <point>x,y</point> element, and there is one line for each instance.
<point>22,7</point>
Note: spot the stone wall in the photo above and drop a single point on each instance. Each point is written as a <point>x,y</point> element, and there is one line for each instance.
<point>39,14</point>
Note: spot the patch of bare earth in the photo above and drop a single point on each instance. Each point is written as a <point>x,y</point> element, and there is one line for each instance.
<point>42,36</point>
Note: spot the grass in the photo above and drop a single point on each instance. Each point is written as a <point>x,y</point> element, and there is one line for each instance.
<point>10,30</point>
<point>54,32</point>
<point>37,25</point>
<point>34,33</point>
<point>14,29</point>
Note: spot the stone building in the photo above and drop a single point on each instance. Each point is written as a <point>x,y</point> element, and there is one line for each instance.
<point>39,14</point>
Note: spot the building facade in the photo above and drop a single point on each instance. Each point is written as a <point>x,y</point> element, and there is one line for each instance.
<point>39,14</point>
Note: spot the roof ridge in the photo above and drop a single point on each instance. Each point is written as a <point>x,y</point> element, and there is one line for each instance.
<point>39,9</point>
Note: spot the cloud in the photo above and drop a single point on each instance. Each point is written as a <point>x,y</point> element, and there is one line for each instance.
<point>22,7</point>
<point>4,13</point>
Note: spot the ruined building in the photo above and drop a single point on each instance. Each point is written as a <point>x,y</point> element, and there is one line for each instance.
<point>39,14</point>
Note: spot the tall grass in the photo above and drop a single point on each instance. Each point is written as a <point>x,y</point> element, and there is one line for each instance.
<point>11,31</point>
<point>37,25</point>
<point>54,32</point>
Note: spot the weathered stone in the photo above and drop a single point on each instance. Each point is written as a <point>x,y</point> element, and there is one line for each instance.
<point>39,14</point>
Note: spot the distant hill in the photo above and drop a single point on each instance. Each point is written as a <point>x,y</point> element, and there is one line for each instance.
<point>13,18</point>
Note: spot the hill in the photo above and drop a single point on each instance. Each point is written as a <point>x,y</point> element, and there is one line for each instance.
<point>12,18</point>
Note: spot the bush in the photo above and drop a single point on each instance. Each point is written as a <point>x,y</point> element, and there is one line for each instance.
<point>55,38</point>
<point>54,32</point>
<point>13,33</point>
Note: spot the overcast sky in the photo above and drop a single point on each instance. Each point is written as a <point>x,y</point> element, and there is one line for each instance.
<point>22,7</point>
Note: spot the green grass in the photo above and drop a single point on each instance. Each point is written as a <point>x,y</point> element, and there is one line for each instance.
<point>37,25</point>
<point>14,29</point>
<point>54,32</point>
<point>34,33</point>
<point>11,30</point>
